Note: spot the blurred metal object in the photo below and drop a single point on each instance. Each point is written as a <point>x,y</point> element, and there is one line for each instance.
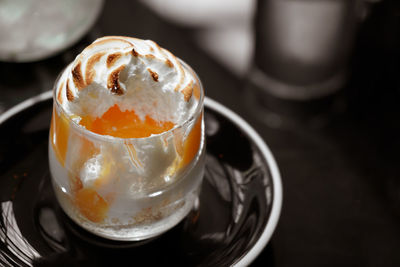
<point>303,46</point>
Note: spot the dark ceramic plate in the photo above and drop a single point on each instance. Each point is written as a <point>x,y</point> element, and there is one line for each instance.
<point>239,207</point>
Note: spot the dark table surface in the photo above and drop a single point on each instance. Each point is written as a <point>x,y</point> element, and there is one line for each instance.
<point>339,164</point>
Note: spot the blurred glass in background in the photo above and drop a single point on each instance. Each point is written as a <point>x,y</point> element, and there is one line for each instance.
<point>35,29</point>
<point>303,50</point>
<point>303,46</point>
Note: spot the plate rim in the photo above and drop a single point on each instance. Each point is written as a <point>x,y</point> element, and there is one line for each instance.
<point>273,219</point>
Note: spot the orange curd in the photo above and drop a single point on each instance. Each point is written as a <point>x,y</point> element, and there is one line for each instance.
<point>124,124</point>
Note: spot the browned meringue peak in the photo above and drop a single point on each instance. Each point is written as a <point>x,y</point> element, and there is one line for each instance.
<point>116,65</point>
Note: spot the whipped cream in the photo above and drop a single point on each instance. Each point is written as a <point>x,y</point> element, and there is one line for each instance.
<point>132,73</point>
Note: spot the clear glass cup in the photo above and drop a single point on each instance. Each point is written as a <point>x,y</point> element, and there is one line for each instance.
<point>36,29</point>
<point>127,188</point>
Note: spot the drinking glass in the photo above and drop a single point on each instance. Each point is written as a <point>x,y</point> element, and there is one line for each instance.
<point>127,188</point>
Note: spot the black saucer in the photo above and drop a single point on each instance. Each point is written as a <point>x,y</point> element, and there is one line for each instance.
<point>238,207</point>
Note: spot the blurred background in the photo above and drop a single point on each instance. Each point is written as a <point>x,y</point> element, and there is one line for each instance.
<point>318,79</point>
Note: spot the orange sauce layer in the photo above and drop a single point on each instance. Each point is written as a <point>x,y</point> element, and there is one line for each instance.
<point>91,204</point>
<point>59,133</point>
<point>192,143</point>
<point>124,124</point>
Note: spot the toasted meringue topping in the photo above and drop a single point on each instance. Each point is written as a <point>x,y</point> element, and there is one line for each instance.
<point>132,73</point>
<point>153,74</point>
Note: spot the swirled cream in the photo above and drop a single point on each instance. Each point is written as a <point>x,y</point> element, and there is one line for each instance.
<point>129,73</point>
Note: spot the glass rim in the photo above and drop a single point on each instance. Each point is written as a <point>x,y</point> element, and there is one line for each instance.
<point>113,139</point>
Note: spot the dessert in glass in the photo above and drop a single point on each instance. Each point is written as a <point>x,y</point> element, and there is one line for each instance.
<point>126,145</point>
